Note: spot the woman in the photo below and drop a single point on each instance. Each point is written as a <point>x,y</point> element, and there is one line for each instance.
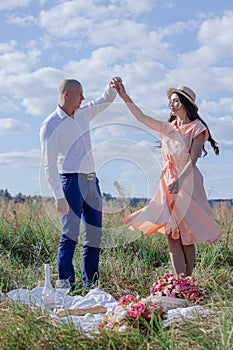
<point>180,207</point>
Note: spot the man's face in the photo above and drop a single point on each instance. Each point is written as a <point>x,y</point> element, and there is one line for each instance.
<point>75,97</point>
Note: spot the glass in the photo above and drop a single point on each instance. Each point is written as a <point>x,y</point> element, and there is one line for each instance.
<point>62,288</point>
<point>64,284</point>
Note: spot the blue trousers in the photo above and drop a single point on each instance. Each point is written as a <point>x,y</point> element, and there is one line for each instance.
<point>85,203</point>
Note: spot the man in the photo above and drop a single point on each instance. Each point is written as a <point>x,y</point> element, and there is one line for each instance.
<point>69,169</point>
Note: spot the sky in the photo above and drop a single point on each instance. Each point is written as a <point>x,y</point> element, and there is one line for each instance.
<point>152,45</point>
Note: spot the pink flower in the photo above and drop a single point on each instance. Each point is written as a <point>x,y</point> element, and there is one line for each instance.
<point>147,314</point>
<point>177,286</point>
<point>122,300</point>
<point>154,307</point>
<point>126,299</point>
<point>133,313</point>
<point>132,308</point>
<point>137,306</point>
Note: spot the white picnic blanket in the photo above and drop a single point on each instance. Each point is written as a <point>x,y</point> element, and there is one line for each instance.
<point>95,297</point>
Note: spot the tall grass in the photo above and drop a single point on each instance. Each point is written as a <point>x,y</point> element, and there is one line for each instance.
<point>29,235</point>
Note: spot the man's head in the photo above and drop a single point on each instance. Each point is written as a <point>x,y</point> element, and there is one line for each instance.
<point>71,95</point>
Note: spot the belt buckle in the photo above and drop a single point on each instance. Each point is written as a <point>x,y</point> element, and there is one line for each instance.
<point>90,176</point>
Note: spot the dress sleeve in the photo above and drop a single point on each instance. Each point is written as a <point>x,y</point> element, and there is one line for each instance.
<point>166,128</point>
<point>199,128</point>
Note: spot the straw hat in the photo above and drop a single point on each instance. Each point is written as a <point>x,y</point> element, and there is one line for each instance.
<point>186,92</point>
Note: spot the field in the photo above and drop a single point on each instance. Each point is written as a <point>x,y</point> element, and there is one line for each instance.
<point>29,235</point>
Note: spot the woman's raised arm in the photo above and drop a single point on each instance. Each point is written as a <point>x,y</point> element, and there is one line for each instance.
<point>139,115</point>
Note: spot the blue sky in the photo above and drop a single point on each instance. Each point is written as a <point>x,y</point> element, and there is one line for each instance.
<point>152,45</point>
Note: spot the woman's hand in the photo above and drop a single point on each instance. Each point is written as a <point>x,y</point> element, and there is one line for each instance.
<point>174,187</point>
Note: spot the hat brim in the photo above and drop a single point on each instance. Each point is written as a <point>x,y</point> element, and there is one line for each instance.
<point>170,91</point>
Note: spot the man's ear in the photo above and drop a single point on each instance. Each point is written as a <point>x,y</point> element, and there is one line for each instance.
<point>66,94</point>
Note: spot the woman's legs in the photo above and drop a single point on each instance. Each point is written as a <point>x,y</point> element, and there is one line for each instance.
<point>177,255</point>
<point>189,253</point>
<point>182,257</point>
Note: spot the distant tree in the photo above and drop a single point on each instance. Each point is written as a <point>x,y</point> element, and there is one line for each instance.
<point>134,202</point>
<point>6,194</point>
<point>107,196</point>
<point>19,198</point>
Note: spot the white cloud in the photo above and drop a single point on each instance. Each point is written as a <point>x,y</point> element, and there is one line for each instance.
<point>24,21</point>
<point>7,46</point>
<point>216,34</point>
<point>18,61</point>
<point>8,105</point>
<point>134,152</point>
<point>215,40</point>
<point>222,130</point>
<point>127,160</point>
<point>136,7</point>
<point>224,104</point>
<point>12,4</point>
<point>28,159</point>
<point>99,24</point>
<point>75,20</point>
<point>179,27</point>
<point>38,91</point>
<point>223,77</point>
<point>10,125</point>
<point>93,68</point>
<point>84,17</point>
<point>218,179</point>
<point>118,31</point>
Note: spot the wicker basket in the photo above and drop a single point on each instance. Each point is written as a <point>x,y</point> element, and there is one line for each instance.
<point>170,303</point>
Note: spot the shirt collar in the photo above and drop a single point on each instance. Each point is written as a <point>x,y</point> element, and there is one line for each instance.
<point>61,113</point>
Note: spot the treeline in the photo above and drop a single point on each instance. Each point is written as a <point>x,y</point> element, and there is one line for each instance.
<point>134,202</point>
<point>5,194</point>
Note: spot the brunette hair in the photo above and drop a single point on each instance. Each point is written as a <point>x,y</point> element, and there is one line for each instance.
<point>193,115</point>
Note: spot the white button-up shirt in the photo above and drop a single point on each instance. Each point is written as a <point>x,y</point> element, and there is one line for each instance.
<point>66,141</point>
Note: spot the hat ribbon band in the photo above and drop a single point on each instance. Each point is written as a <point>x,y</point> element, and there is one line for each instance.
<point>187,95</point>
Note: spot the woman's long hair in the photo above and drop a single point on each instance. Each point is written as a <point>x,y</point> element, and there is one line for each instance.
<point>193,115</point>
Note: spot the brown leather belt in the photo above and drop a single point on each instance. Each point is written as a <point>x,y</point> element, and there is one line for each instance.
<point>89,177</point>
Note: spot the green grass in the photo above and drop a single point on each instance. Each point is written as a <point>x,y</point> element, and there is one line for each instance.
<point>29,235</point>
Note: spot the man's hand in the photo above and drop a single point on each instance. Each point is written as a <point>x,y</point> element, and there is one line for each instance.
<point>62,206</point>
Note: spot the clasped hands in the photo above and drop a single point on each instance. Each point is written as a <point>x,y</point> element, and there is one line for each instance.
<point>117,84</point>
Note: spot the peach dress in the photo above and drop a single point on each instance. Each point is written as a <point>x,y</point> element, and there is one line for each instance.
<point>186,214</point>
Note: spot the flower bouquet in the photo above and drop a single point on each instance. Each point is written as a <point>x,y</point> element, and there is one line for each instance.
<point>175,291</point>
<point>134,312</point>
